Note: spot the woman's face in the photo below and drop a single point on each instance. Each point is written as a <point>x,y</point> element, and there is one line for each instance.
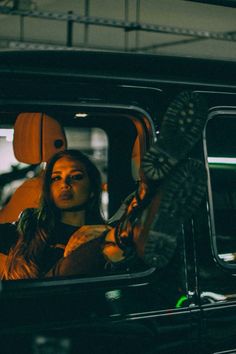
<point>70,185</point>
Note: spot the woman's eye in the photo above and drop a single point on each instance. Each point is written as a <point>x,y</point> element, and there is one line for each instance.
<point>77,177</point>
<point>55,178</point>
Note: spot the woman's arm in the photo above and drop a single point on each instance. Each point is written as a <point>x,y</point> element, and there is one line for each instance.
<point>87,259</point>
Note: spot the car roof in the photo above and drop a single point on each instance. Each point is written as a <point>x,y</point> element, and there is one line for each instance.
<point>115,65</point>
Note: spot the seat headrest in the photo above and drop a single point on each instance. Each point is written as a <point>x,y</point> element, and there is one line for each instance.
<point>37,137</point>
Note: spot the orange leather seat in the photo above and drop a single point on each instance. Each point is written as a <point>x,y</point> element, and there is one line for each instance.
<point>36,138</point>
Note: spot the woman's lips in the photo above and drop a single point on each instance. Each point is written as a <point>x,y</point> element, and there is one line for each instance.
<point>65,195</point>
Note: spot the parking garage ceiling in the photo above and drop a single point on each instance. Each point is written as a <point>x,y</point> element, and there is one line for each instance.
<point>203,29</point>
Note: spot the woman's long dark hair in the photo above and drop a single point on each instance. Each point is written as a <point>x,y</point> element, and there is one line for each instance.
<point>36,226</point>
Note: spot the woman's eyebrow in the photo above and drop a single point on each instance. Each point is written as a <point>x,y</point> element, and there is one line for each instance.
<point>56,172</point>
<point>76,169</point>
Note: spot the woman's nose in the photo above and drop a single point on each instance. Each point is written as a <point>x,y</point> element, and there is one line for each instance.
<point>66,182</point>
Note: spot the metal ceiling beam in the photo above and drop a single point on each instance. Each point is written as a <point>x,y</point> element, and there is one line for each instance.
<point>125,25</point>
<point>170,43</point>
<point>37,45</point>
<point>166,44</point>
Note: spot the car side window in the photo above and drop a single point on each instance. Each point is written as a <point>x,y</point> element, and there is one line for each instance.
<point>115,143</point>
<point>221,156</point>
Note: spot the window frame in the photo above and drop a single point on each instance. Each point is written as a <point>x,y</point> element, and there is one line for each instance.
<point>217,111</point>
<point>142,117</point>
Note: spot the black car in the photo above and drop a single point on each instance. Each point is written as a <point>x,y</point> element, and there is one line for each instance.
<point>111,106</point>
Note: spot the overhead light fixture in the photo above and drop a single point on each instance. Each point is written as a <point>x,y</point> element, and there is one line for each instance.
<point>81,115</point>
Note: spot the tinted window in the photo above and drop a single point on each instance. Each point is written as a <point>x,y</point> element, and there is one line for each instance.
<point>221,150</point>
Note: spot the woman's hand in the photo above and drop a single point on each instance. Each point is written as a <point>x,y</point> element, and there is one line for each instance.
<point>111,250</point>
<point>84,234</point>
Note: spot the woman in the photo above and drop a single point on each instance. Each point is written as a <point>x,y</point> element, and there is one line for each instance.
<point>70,199</point>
